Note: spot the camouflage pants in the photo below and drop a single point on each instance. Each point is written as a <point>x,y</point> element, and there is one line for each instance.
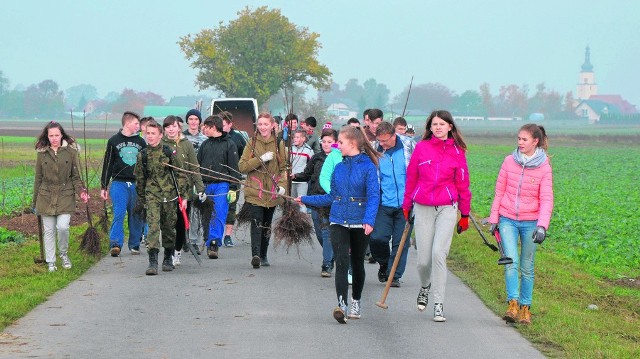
<point>161,217</point>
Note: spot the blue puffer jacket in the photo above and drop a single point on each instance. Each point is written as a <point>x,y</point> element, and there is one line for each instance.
<point>355,192</point>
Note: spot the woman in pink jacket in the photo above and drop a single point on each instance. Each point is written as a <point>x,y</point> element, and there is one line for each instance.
<point>437,187</point>
<point>522,210</point>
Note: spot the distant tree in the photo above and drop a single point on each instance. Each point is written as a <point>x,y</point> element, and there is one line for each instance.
<point>78,96</point>
<point>376,94</point>
<point>130,100</point>
<point>4,83</point>
<point>425,97</point>
<point>12,104</point>
<point>512,100</point>
<point>44,100</point>
<point>469,103</point>
<point>256,55</point>
<point>568,105</point>
<point>487,99</point>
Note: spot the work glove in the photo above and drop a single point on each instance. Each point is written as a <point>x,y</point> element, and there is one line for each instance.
<point>407,213</point>
<point>267,156</point>
<point>231,196</point>
<point>281,189</point>
<point>202,197</point>
<point>493,229</point>
<point>463,224</point>
<point>539,235</point>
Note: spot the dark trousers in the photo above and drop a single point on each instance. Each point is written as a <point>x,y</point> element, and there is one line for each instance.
<point>390,224</point>
<point>260,229</point>
<point>344,239</point>
<point>181,232</point>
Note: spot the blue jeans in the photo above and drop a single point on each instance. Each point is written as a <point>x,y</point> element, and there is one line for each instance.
<point>220,209</point>
<point>321,226</point>
<point>519,285</point>
<point>124,197</point>
<point>389,226</point>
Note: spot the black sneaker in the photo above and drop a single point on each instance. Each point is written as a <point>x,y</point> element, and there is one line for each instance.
<point>264,262</point>
<point>212,251</point>
<point>115,251</point>
<point>255,262</point>
<point>228,242</point>
<point>423,298</point>
<point>382,274</point>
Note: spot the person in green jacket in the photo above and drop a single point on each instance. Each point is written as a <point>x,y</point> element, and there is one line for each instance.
<point>185,158</point>
<point>56,183</point>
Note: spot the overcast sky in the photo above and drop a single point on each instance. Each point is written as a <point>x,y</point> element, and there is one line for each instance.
<point>119,44</point>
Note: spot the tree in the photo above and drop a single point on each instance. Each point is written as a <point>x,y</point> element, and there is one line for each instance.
<point>256,55</point>
<point>4,84</point>
<point>424,97</point>
<point>44,99</point>
<point>130,100</point>
<point>487,99</point>
<point>512,100</point>
<point>469,103</point>
<point>76,97</point>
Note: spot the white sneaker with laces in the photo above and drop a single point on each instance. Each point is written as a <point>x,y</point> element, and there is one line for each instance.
<point>438,313</point>
<point>354,309</point>
<point>66,262</point>
<point>52,267</point>
<point>176,258</point>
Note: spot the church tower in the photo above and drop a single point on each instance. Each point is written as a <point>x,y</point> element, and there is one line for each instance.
<point>586,80</point>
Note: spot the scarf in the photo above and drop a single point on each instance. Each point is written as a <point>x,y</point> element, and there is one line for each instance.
<point>538,158</point>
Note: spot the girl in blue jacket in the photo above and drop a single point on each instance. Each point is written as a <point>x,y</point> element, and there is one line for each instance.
<point>354,201</point>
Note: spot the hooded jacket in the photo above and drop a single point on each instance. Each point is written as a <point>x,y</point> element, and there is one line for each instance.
<point>438,175</point>
<point>267,177</point>
<point>524,193</point>
<point>355,192</point>
<point>393,170</point>
<point>57,180</point>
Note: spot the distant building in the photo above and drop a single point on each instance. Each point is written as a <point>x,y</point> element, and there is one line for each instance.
<point>589,104</point>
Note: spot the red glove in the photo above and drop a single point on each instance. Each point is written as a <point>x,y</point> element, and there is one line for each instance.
<point>463,224</point>
<point>406,213</point>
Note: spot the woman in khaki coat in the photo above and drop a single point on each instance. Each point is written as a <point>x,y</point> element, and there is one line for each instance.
<point>264,161</point>
<point>55,186</point>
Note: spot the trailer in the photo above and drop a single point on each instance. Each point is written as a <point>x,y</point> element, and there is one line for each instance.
<point>243,110</point>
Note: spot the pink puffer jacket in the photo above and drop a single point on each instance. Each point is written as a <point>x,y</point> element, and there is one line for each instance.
<point>437,175</point>
<point>523,194</point>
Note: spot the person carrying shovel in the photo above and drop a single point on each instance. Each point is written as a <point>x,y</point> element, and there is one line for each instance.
<point>56,183</point>
<point>521,210</point>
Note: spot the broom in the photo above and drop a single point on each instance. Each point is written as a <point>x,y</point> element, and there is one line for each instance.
<point>90,243</point>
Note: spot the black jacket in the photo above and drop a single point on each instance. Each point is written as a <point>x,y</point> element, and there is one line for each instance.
<point>215,154</point>
<point>311,173</point>
<point>240,141</point>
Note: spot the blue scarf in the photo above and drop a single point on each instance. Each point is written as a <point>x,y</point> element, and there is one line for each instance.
<point>538,158</point>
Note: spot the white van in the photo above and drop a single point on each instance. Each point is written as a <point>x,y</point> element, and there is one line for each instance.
<point>243,110</point>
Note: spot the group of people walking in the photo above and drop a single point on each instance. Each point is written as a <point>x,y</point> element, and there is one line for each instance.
<point>362,187</point>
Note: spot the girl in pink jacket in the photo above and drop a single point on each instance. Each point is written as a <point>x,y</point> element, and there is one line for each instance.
<point>437,187</point>
<point>522,210</point>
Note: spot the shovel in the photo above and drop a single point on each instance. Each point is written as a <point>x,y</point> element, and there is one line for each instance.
<point>40,260</point>
<point>503,258</point>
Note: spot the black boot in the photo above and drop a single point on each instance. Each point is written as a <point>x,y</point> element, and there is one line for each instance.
<point>167,263</point>
<point>153,262</point>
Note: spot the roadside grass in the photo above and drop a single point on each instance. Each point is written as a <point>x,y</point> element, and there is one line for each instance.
<point>24,284</point>
<point>562,326</point>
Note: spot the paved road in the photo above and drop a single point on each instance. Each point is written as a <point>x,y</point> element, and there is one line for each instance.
<point>226,309</point>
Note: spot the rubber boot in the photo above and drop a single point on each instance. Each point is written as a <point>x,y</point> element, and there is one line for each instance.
<point>167,263</point>
<point>153,262</point>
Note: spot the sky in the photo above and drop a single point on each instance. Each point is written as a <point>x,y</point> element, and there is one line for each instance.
<point>117,44</point>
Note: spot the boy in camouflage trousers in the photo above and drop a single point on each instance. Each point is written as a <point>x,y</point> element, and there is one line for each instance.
<point>157,192</point>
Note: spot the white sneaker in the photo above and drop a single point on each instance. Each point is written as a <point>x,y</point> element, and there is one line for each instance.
<point>66,262</point>
<point>176,258</point>
<point>438,313</point>
<point>349,279</point>
<point>354,310</point>
<point>52,267</point>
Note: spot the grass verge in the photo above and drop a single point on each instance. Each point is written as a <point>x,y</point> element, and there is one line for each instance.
<point>24,284</point>
<point>562,326</point>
